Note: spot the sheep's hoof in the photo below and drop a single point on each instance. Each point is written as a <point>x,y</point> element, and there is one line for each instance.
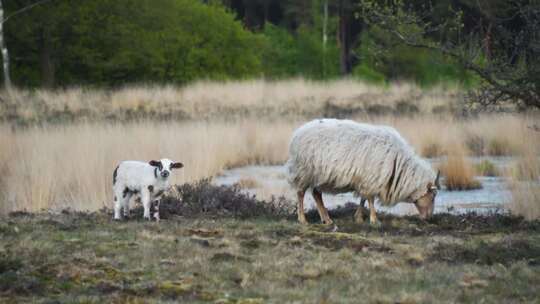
<point>328,222</point>
<point>375,224</point>
<point>358,219</point>
<point>147,218</point>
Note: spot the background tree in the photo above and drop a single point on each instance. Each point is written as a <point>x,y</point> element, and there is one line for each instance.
<point>497,40</point>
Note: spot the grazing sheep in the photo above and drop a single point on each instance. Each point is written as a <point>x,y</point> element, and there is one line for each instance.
<point>148,180</point>
<point>336,156</point>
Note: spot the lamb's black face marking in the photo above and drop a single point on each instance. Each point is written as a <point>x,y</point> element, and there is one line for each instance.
<point>151,188</point>
<point>160,170</point>
<point>156,163</point>
<point>177,165</point>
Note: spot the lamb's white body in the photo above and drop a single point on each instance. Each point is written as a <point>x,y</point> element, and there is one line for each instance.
<point>140,178</point>
<point>331,155</point>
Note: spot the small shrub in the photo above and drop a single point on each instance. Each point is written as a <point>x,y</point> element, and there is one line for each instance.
<point>202,198</point>
<point>486,168</point>
<point>458,171</point>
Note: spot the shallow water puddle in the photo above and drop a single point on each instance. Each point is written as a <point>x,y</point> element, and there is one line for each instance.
<point>265,181</point>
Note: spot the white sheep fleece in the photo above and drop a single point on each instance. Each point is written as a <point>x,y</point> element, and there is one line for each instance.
<point>342,156</point>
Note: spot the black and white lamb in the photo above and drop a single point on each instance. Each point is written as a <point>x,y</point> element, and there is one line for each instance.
<point>148,180</point>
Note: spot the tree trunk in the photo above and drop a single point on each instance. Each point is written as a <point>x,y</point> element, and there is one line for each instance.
<point>47,64</point>
<point>325,36</point>
<point>4,50</point>
<point>344,41</point>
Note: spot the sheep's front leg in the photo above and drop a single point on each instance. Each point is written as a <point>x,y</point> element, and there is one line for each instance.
<point>359,214</point>
<point>145,199</point>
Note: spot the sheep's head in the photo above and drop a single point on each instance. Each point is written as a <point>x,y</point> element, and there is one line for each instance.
<point>164,166</point>
<point>425,204</point>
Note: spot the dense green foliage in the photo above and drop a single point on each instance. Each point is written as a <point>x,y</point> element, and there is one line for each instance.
<point>110,43</point>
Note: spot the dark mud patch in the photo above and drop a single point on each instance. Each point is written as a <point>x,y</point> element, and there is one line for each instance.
<point>505,252</point>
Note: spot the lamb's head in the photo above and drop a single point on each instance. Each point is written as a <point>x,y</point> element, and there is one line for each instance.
<point>426,202</point>
<point>164,167</point>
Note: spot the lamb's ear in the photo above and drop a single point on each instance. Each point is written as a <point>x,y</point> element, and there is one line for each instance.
<point>430,187</point>
<point>177,165</point>
<point>155,163</point>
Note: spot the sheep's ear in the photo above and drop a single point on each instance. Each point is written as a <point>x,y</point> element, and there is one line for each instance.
<point>177,165</point>
<point>155,163</point>
<point>437,182</point>
<point>430,187</point>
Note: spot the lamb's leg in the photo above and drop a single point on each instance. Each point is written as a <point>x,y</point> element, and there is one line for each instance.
<point>156,213</point>
<point>359,214</point>
<point>145,199</point>
<point>119,197</point>
<point>323,213</point>
<point>300,211</point>
<point>372,213</point>
<point>117,206</point>
<point>126,205</point>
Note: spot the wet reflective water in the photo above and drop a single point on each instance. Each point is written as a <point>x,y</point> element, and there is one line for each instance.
<point>265,181</point>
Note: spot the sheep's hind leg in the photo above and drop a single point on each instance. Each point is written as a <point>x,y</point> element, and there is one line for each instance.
<point>372,213</point>
<point>323,213</point>
<point>359,214</point>
<point>300,207</point>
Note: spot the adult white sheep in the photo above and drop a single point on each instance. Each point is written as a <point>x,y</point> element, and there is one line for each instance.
<point>336,156</point>
<point>149,180</point>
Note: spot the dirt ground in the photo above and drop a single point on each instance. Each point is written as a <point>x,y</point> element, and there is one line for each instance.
<point>76,257</point>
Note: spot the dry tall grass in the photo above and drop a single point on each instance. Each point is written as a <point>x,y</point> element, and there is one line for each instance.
<point>458,171</point>
<point>71,166</point>
<point>251,123</point>
<point>525,183</point>
<point>203,100</point>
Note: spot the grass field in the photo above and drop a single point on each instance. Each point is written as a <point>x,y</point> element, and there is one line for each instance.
<point>87,258</point>
<point>216,245</point>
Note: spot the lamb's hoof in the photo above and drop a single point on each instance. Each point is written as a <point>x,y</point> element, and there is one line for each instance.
<point>117,219</point>
<point>147,218</point>
<point>335,228</point>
